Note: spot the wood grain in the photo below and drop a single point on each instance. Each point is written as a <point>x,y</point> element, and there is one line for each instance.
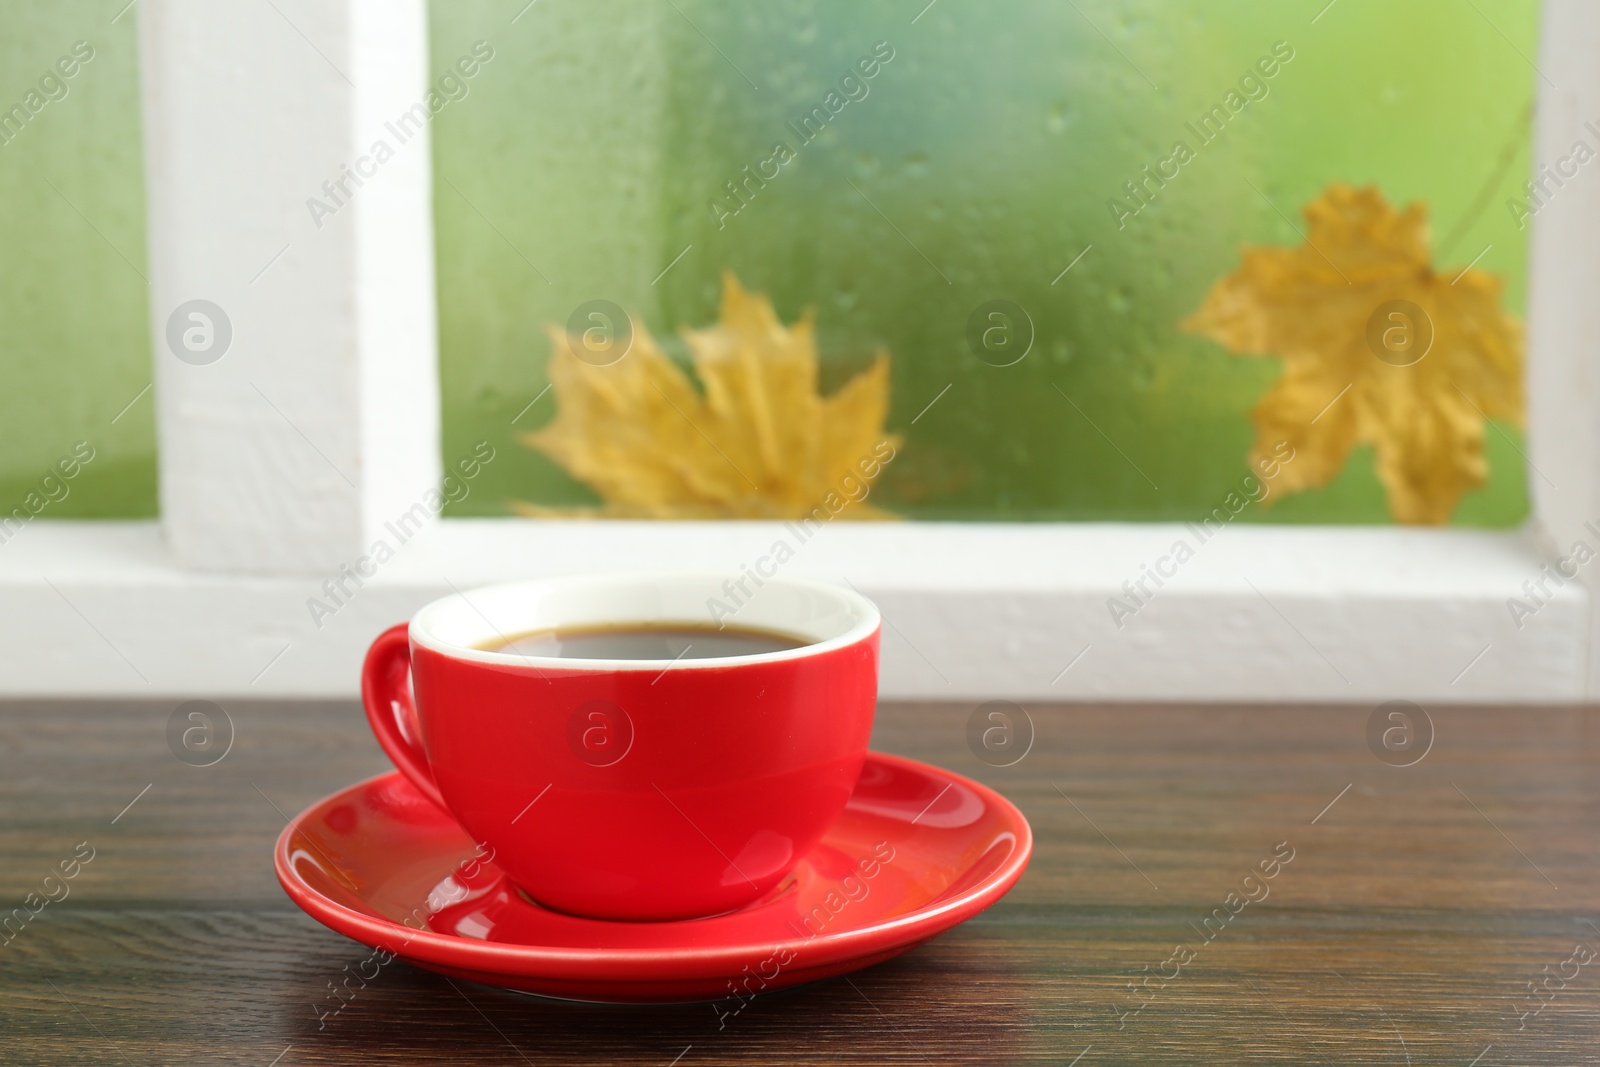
<point>1406,928</point>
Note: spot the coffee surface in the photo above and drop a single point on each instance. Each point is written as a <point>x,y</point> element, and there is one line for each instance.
<point>667,641</point>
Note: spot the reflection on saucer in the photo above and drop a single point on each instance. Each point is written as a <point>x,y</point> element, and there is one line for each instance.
<point>916,851</point>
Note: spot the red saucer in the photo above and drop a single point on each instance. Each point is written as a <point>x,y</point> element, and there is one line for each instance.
<point>916,851</point>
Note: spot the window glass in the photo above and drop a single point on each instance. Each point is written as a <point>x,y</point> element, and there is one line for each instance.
<point>999,203</point>
<point>77,426</point>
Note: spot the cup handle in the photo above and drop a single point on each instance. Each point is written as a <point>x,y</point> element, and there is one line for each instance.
<point>390,712</point>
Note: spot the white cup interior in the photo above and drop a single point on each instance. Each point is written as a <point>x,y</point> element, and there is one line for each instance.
<point>823,616</point>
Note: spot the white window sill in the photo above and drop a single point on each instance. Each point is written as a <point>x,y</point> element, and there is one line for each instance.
<point>974,612</point>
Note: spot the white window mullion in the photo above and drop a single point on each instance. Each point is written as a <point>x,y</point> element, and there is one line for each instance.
<point>1563,312</point>
<point>320,419</point>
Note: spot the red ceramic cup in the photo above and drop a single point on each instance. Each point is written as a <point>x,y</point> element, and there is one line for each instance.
<point>632,789</point>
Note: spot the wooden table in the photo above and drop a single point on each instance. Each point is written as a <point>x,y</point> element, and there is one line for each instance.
<point>1418,906</point>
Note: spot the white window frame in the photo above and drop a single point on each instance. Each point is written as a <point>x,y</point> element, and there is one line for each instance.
<point>282,461</point>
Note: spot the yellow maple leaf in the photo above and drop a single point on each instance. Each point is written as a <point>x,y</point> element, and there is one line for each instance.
<point>1377,347</point>
<point>760,442</point>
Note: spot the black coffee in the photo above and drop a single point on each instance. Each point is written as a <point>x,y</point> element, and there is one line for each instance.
<point>635,641</point>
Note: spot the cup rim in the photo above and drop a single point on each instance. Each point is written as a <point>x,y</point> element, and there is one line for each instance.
<point>865,621</point>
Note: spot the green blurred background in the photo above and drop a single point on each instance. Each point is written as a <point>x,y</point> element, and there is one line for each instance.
<point>595,139</point>
<point>584,157</point>
<point>74,306</point>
